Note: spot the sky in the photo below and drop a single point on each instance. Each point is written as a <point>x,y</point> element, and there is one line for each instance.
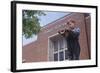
<point>44,20</point>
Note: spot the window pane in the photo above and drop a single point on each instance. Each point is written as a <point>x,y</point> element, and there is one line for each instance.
<point>56,57</point>
<point>61,43</point>
<point>55,45</point>
<point>65,42</point>
<point>61,56</point>
<point>66,54</point>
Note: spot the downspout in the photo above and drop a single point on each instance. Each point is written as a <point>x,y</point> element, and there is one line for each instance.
<point>87,38</point>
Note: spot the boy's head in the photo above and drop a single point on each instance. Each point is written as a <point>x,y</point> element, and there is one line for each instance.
<point>71,24</point>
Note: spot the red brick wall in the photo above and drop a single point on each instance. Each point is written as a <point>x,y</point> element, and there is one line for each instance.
<point>38,50</point>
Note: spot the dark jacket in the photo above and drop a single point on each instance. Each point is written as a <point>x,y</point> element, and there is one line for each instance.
<point>73,41</point>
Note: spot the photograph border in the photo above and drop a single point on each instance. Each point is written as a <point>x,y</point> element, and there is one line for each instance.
<point>13,35</point>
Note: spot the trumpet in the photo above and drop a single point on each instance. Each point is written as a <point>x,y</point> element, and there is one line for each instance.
<point>64,32</point>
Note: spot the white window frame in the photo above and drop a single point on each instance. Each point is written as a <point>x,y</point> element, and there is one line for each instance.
<point>59,50</point>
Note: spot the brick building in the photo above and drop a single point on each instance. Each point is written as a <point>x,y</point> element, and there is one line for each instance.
<point>50,46</point>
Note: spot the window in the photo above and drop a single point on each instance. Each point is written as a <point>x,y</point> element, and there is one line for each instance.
<point>55,45</point>
<point>61,43</point>
<point>56,57</point>
<point>66,54</point>
<point>60,51</point>
<point>61,56</point>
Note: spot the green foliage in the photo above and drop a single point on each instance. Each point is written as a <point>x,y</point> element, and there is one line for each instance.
<point>31,23</point>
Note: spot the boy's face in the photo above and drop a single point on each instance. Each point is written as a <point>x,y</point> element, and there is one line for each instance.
<point>71,25</point>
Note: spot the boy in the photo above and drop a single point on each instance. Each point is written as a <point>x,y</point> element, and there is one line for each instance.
<point>71,33</point>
